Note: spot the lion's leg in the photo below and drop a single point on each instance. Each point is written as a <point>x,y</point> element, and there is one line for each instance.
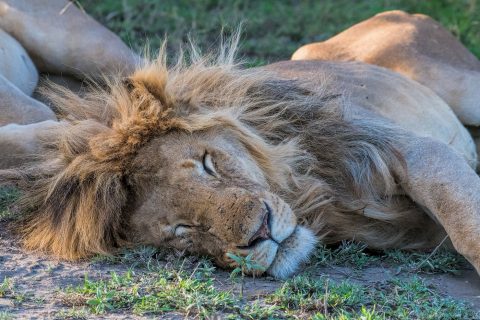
<point>475,133</point>
<point>62,39</point>
<point>18,79</point>
<point>15,64</point>
<point>17,107</point>
<point>443,183</point>
<point>459,88</point>
<point>22,143</point>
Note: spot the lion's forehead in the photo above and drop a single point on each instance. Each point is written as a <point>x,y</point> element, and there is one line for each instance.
<point>173,152</point>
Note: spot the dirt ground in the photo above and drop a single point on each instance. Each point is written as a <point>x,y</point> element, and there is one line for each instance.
<point>39,280</point>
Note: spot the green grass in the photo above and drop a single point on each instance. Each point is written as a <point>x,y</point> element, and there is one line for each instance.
<point>147,257</point>
<point>442,261</point>
<point>398,299</point>
<point>272,30</point>
<point>7,197</point>
<point>355,255</point>
<point>72,313</point>
<point>6,287</point>
<point>194,294</point>
<point>8,290</point>
<point>187,286</point>
<point>5,315</point>
<point>153,293</point>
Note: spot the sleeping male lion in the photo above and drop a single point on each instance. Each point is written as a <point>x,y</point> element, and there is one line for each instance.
<point>210,158</point>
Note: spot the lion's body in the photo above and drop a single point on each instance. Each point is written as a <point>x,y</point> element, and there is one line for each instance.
<point>405,110</point>
<point>210,158</point>
<point>369,89</point>
<point>415,46</point>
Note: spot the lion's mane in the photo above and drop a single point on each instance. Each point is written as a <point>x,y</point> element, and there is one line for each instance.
<point>326,165</point>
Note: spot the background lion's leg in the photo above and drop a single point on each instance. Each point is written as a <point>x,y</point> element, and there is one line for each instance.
<point>16,65</point>
<point>18,79</point>
<point>62,39</point>
<point>17,107</point>
<point>22,143</point>
<point>441,181</point>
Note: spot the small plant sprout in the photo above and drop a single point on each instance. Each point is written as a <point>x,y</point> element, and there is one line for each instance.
<point>245,265</point>
<point>6,287</point>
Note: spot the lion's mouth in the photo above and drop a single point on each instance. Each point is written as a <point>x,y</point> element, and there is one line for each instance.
<point>281,260</point>
<point>253,244</point>
<point>263,233</point>
<point>279,245</point>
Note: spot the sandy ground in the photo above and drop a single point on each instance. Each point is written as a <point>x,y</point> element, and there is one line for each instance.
<point>40,278</point>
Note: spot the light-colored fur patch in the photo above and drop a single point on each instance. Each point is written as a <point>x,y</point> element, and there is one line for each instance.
<point>294,251</point>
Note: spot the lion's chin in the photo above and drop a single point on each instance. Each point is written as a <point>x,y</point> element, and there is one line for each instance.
<point>292,252</point>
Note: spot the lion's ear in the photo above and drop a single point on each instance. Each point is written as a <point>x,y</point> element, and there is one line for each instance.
<point>128,84</point>
<point>149,81</point>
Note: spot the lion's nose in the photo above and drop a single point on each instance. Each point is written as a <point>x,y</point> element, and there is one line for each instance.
<point>263,233</point>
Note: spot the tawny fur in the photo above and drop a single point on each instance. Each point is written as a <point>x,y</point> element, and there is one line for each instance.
<point>329,169</point>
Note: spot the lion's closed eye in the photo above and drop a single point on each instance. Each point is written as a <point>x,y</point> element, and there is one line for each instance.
<point>182,229</point>
<point>204,166</point>
<point>208,165</point>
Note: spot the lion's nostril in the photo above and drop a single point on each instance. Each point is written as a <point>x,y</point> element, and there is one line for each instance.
<point>263,233</point>
<point>269,215</point>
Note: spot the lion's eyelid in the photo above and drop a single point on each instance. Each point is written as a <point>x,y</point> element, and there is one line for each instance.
<point>181,229</point>
<point>208,165</point>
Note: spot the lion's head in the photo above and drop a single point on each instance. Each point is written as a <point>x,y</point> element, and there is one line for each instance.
<point>192,157</point>
<point>204,192</point>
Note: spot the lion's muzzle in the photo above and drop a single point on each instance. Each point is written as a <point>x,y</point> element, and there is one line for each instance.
<point>278,244</point>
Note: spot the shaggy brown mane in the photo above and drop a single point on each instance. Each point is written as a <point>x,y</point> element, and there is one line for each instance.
<point>77,196</point>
